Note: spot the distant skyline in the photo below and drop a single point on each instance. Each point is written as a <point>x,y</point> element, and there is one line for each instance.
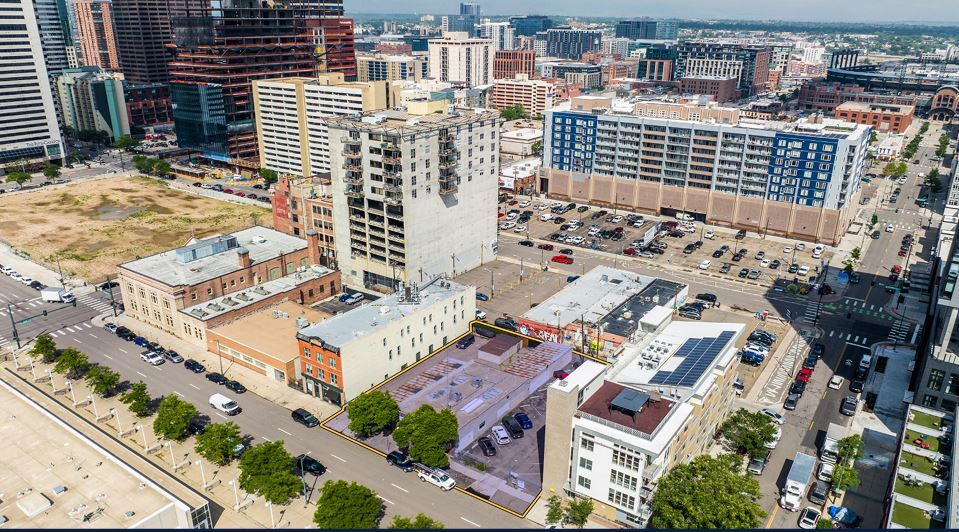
<point>931,11</point>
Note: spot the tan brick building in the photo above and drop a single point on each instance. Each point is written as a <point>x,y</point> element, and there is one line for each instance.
<point>301,204</point>
<point>535,95</point>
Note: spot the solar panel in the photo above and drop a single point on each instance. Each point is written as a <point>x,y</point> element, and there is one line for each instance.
<point>698,355</point>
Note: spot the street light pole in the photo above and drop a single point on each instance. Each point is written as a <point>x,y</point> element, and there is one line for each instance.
<point>306,499</point>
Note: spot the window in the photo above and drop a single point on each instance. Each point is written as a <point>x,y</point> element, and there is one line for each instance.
<point>332,378</point>
<point>586,444</point>
<point>929,400</point>
<point>953,386</point>
<point>622,479</point>
<point>624,460</point>
<point>621,499</point>
<point>332,363</point>
<point>584,482</point>
<point>209,291</point>
<point>306,352</point>
<point>585,463</point>
<point>936,377</point>
<point>193,296</point>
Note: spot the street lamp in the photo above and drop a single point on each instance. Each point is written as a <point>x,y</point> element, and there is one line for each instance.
<point>492,286</point>
<point>269,504</point>
<point>202,474</point>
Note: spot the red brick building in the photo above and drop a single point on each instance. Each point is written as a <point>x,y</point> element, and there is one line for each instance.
<point>394,48</point>
<point>300,204</point>
<point>508,63</point>
<point>340,46</point>
<point>721,89</point>
<point>884,118</point>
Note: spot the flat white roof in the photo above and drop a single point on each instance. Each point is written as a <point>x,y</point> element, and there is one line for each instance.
<point>526,133</point>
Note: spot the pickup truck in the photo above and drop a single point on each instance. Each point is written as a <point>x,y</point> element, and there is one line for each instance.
<point>436,477</point>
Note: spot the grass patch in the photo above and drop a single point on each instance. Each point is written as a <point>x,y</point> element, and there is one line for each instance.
<point>933,442</point>
<point>917,463</point>
<point>925,493</point>
<point>911,517</point>
<point>926,420</point>
<point>479,466</point>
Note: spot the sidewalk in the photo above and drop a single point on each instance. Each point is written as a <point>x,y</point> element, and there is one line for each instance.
<point>269,389</point>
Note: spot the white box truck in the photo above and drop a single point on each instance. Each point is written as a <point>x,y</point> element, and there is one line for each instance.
<point>829,452</point>
<point>797,481</point>
<point>56,295</point>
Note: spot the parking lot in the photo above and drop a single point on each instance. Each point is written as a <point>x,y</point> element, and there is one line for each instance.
<point>765,261</point>
<point>510,293</point>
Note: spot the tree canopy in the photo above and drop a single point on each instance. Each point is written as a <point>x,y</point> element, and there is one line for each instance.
<point>71,362</point>
<point>267,469</point>
<point>126,142</point>
<point>51,171</point>
<point>513,112</point>
<point>102,379</point>
<point>426,434</point>
<point>707,493</point>
<point>173,418</point>
<point>372,412</point>
<point>268,175</point>
<point>578,510</point>
<point>419,521</point>
<point>749,432</point>
<point>218,441</point>
<point>137,399</point>
<point>347,505</point>
<point>45,347</point>
<point>18,177</point>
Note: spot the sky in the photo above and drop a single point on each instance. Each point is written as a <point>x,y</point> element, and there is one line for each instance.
<point>937,11</point>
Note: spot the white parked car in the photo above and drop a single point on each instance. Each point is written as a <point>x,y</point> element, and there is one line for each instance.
<point>704,265</point>
<point>765,263</point>
<point>890,228</point>
<point>480,315</point>
<point>523,204</point>
<point>500,435</point>
<point>618,218</point>
<point>825,471</point>
<point>546,217</point>
<point>507,225</point>
<point>803,270</point>
<point>26,280</point>
<point>800,246</point>
<point>154,359</point>
<point>809,518</point>
<point>710,234</point>
<point>836,382</point>
<point>16,276</point>
<point>788,249</point>
<point>520,229</point>
<point>512,216</point>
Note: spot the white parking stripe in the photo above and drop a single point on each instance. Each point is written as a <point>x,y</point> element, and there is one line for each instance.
<point>283,431</point>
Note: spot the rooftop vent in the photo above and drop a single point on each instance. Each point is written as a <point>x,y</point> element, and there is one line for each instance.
<point>629,402</point>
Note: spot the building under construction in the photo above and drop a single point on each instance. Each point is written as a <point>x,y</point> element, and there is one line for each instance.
<point>220,47</point>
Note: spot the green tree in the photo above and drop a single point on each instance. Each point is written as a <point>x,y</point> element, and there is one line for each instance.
<point>707,493</point>
<point>538,147</point>
<point>851,448</point>
<point>578,510</point>
<point>173,418</point>
<point>889,169</point>
<point>855,254</point>
<point>51,171</point>
<point>513,112</point>
<point>749,431</point>
<point>901,169</point>
<point>845,476</point>
<point>823,523</point>
<point>137,399</point>
<point>848,266</point>
<point>69,132</point>
<point>162,168</point>
<point>143,163</point>
<point>71,362</point>
<point>874,220</point>
<point>554,510</point>
<point>426,434</point>
<point>126,142</point>
<point>924,128</point>
<point>420,521</point>
<point>267,469</point>
<point>18,177</point>
<point>102,379</point>
<point>45,347</point>
<point>372,412</point>
<point>268,176</point>
<point>218,441</point>
<point>347,505</point>
<point>873,137</point>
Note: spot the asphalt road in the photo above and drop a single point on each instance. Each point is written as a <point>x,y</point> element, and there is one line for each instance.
<point>403,493</point>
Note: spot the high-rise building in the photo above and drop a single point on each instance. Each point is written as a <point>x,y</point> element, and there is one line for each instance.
<point>142,33</point>
<point>645,29</point>
<point>459,58</point>
<point>55,35</point>
<point>148,104</point>
<point>383,67</point>
<point>339,48</point>
<point>221,47</point>
<point>508,63</point>
<point>92,99</point>
<point>750,64</point>
<point>95,33</point>
<point>414,193</point>
<point>471,9</point>
<point>501,33</point>
<point>535,95</point>
<point>290,113</point>
<point>617,45</point>
<point>585,75</point>
<point>30,130</point>
<point>569,43</point>
<point>801,179</point>
<point>530,25</point>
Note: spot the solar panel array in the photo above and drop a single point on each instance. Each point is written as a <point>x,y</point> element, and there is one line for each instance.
<point>698,355</point>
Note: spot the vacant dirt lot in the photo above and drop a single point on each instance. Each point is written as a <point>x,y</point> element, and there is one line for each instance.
<point>95,225</point>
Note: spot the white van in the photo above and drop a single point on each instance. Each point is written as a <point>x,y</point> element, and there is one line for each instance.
<point>225,404</point>
<point>355,298</point>
<point>865,362</point>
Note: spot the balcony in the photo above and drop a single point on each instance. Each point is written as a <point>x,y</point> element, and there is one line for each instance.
<point>393,198</point>
<point>396,247</point>
<point>446,165</point>
<point>449,184</point>
<point>396,186</point>
<point>390,148</point>
<point>349,141</point>
<point>353,179</point>
<point>350,167</point>
<point>354,192</point>
<point>392,160</point>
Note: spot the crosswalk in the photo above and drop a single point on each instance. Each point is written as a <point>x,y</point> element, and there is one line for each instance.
<point>20,306</point>
<point>813,308</point>
<point>94,303</point>
<point>901,331</point>
<point>66,331</point>
<point>856,339</point>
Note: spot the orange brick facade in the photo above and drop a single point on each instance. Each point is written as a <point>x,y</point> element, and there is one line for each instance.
<point>883,118</point>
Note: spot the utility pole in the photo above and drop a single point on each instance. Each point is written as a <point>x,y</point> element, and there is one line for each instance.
<point>16,337</point>
<point>59,268</point>
<point>113,302</point>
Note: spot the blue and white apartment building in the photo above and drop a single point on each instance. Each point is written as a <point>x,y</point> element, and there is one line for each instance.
<point>794,179</point>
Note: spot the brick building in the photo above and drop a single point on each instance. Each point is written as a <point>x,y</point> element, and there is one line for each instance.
<point>884,118</point>
<point>827,95</point>
<point>508,63</point>
<point>535,95</point>
<point>300,204</point>
<point>185,291</point>
<point>722,89</point>
<point>394,48</point>
<point>148,104</point>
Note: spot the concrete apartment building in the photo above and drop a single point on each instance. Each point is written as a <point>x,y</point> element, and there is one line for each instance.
<point>383,67</point>
<point>304,203</point>
<point>91,99</point>
<point>570,43</point>
<point>414,194</point>
<point>721,89</point>
<point>290,118</point>
<point>884,118</point>
<point>535,95</point>
<point>500,33</point>
<point>351,352</point>
<point>458,58</point>
<point>508,63</point>
<point>30,127</point>
<point>613,431</point>
<point>796,179</point>
<point>95,33</point>
<point>208,282</point>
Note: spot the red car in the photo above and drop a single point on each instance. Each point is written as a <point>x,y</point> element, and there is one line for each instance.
<point>547,247</point>
<point>804,375</point>
<point>512,202</point>
<point>241,194</point>
<point>500,214</point>
<point>562,259</point>
<point>897,269</point>
<point>629,251</point>
<point>228,190</point>
<point>903,253</point>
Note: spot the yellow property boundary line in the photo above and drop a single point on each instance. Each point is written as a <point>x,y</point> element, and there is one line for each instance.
<point>473,325</point>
